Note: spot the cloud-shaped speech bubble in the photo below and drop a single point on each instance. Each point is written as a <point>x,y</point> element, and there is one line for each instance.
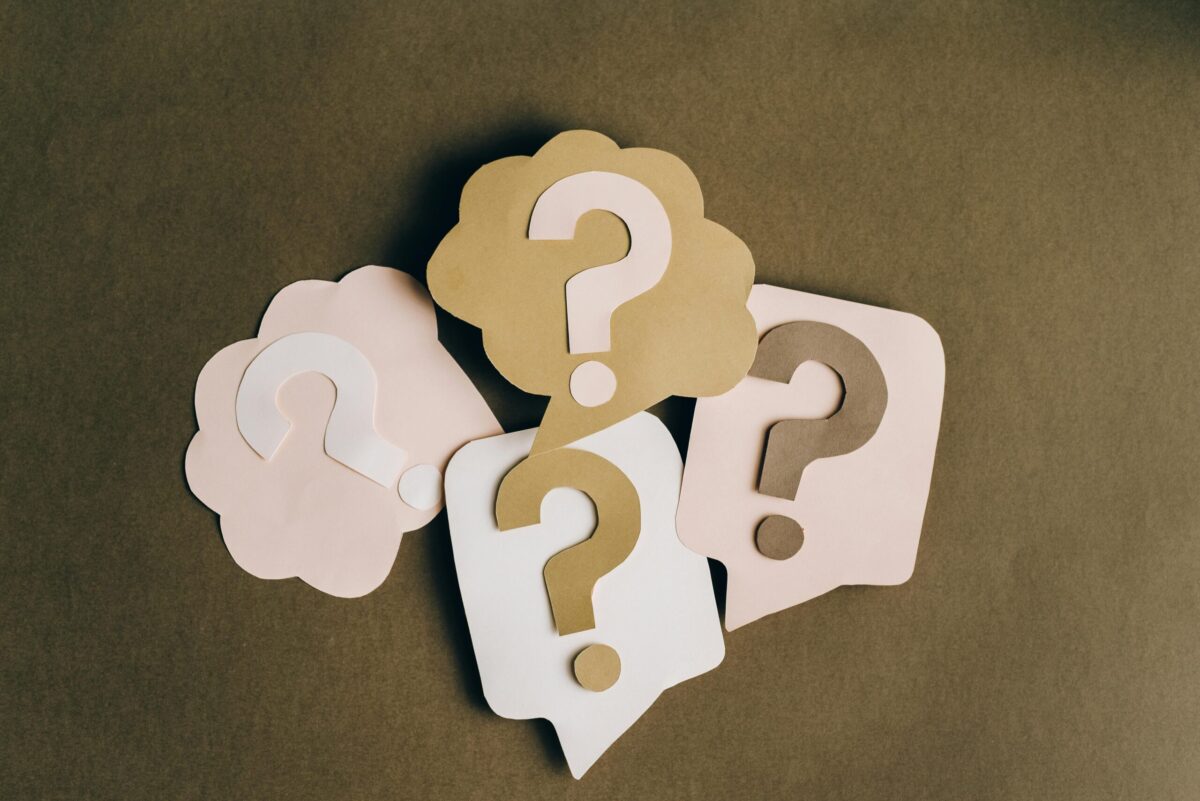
<point>597,281</point>
<point>323,439</point>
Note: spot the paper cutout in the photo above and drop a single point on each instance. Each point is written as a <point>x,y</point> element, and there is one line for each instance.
<point>656,609</point>
<point>597,668</point>
<point>860,513</point>
<point>594,294</point>
<point>421,487</point>
<point>778,537</point>
<point>794,444</point>
<point>350,436</point>
<point>299,512</point>
<point>686,333</point>
<point>592,384</point>
<point>572,574</point>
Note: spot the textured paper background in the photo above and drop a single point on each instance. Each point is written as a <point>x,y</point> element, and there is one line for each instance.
<point>1025,176</point>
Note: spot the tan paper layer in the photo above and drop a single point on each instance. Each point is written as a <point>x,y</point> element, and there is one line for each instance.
<point>572,574</point>
<point>793,444</point>
<point>597,667</point>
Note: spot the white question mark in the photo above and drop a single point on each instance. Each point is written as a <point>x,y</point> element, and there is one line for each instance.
<point>350,436</point>
<point>594,294</point>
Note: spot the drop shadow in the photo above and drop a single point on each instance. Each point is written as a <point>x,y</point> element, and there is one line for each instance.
<point>551,747</point>
<point>452,616</point>
<point>837,292</point>
<point>410,250</point>
<point>419,235</point>
<point>676,414</point>
<point>720,581</point>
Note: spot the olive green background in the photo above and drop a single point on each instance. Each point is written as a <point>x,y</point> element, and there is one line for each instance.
<point>1026,176</point>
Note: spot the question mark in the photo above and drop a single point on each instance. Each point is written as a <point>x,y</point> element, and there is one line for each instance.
<point>595,293</point>
<point>794,444</point>
<point>571,574</point>
<point>350,436</point>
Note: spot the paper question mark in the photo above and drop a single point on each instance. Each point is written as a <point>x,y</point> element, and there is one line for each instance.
<point>594,294</point>
<point>794,444</point>
<point>571,574</point>
<point>350,435</point>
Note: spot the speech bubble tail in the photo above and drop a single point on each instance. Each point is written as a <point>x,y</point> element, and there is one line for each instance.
<point>579,753</point>
<point>585,739</point>
<point>746,602</point>
<point>561,418</point>
<point>655,607</point>
<point>566,422</point>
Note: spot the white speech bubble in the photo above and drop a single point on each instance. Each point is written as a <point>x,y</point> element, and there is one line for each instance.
<point>656,608</point>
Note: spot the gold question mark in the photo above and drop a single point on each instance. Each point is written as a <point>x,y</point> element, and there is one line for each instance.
<point>571,574</point>
<point>794,444</point>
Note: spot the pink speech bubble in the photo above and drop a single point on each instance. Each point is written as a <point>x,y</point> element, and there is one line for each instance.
<point>861,512</point>
<point>295,510</point>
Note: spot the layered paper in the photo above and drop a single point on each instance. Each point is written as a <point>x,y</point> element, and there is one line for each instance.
<point>655,608</point>
<point>796,516</point>
<point>322,440</point>
<point>597,281</point>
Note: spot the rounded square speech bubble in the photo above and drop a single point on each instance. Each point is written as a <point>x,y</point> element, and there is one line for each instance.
<point>795,504</point>
<point>655,609</point>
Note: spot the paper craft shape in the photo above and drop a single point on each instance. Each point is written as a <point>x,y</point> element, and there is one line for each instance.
<point>350,435</point>
<point>814,471</point>
<point>597,281</point>
<point>793,444</point>
<point>572,574</point>
<point>323,439</point>
<point>655,617</point>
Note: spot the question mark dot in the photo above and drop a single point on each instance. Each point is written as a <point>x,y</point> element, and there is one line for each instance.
<point>593,384</point>
<point>779,537</point>
<point>597,668</point>
<point>421,487</point>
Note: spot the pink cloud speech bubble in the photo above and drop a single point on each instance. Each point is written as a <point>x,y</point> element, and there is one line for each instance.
<point>299,507</point>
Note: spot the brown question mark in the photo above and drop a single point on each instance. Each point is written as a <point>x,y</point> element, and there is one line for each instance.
<point>571,574</point>
<point>794,444</point>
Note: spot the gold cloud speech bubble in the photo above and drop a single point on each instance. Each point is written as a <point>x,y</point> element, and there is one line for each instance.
<point>597,281</point>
